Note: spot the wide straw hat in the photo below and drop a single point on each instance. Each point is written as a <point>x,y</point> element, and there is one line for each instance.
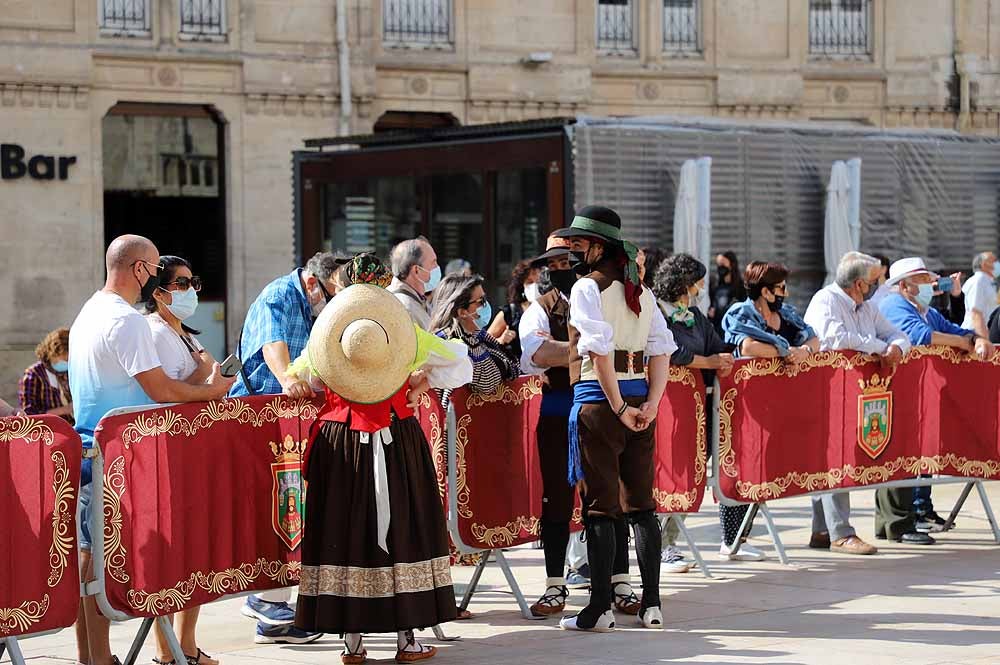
<point>363,344</point>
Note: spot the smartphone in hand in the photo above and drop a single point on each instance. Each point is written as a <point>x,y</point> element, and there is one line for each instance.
<point>231,366</point>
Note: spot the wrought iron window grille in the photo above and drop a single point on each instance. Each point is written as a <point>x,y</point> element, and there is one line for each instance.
<point>840,29</point>
<point>128,18</point>
<point>417,24</point>
<point>682,27</point>
<point>616,23</point>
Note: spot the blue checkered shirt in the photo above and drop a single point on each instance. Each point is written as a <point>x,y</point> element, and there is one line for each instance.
<point>281,313</point>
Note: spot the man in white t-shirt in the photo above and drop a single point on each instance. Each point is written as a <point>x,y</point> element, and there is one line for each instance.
<point>113,364</point>
<point>981,293</point>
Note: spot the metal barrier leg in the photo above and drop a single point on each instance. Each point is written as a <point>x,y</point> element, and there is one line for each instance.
<point>168,632</point>
<point>745,528</point>
<point>989,511</point>
<point>512,583</point>
<point>771,529</point>
<point>16,657</point>
<point>140,639</point>
<point>440,635</point>
<point>3,647</point>
<point>474,582</point>
<point>958,506</point>
<point>695,552</point>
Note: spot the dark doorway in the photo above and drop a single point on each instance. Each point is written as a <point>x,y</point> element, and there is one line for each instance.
<point>164,178</point>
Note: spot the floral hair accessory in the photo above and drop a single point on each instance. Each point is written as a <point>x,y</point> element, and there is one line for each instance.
<point>367,269</point>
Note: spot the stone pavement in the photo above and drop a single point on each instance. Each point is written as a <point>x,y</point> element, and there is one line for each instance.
<point>913,605</point>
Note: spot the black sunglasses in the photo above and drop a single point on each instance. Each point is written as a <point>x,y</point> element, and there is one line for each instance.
<point>185,283</point>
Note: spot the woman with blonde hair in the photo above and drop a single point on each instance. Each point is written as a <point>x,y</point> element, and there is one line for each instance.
<point>44,388</point>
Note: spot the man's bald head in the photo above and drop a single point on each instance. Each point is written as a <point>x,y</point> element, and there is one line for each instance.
<point>126,250</point>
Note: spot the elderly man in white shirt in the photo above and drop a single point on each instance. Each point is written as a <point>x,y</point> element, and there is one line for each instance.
<point>981,293</point>
<point>845,320</point>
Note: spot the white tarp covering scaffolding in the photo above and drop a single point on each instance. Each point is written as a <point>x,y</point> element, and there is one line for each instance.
<point>842,225</point>
<point>693,215</point>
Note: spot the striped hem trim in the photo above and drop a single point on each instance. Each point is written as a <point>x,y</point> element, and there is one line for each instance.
<point>357,582</point>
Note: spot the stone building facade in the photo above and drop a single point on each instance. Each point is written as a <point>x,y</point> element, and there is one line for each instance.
<point>80,79</point>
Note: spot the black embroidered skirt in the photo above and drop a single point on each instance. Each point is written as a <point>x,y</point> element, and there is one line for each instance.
<point>348,583</point>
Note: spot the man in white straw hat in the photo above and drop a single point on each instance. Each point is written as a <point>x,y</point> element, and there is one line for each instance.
<point>898,516</point>
<point>375,548</point>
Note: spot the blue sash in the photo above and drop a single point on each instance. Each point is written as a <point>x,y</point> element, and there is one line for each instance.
<point>590,392</point>
<point>557,403</point>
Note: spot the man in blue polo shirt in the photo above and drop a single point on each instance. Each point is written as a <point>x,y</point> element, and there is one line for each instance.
<point>901,510</point>
<point>275,332</point>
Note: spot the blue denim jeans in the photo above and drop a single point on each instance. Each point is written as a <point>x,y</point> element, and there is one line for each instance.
<point>922,503</point>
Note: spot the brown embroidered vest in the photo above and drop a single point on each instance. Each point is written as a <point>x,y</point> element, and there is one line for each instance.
<point>557,309</point>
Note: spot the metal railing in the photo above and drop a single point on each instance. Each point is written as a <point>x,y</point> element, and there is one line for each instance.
<point>681,27</point>
<point>124,17</point>
<point>203,19</point>
<point>840,29</point>
<point>616,21</point>
<point>417,23</point>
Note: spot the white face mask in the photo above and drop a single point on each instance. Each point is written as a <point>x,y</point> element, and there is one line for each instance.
<point>183,303</point>
<point>531,291</point>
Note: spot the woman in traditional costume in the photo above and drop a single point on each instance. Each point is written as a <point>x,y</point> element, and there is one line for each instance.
<point>375,547</point>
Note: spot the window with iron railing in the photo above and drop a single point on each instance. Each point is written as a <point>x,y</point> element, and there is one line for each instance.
<point>417,23</point>
<point>616,27</point>
<point>131,18</point>
<point>681,27</point>
<point>840,29</point>
<point>203,19</point>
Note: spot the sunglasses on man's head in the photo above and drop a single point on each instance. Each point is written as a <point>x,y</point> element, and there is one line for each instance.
<point>185,283</point>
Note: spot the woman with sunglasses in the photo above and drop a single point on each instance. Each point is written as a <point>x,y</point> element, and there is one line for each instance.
<point>461,311</point>
<point>183,359</point>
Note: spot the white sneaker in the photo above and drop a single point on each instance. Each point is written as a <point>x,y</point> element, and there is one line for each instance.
<point>605,624</point>
<point>746,553</point>
<point>651,618</point>
<point>672,561</point>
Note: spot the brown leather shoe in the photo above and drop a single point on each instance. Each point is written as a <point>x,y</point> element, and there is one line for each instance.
<point>820,541</point>
<point>852,545</point>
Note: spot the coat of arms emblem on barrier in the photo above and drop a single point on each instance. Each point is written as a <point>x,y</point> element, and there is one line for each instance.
<point>288,493</point>
<point>874,415</point>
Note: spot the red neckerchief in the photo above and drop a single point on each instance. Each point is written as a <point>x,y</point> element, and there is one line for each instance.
<point>360,417</point>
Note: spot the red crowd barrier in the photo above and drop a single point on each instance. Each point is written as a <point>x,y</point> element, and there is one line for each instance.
<point>202,501</point>
<point>40,584</point>
<point>840,420</point>
<point>498,481</point>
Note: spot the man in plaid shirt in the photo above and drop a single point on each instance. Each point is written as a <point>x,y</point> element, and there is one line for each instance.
<point>275,332</point>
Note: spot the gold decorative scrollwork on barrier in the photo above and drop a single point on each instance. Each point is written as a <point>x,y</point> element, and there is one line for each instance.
<point>437,443</point>
<point>502,536</point>
<point>114,548</point>
<point>17,620</point>
<point>781,367</point>
<point>30,429</point>
<point>232,580</point>
<point>949,353</point>
<point>171,422</point>
<point>507,394</point>
<point>867,475</point>
<point>701,446</point>
<point>461,485</point>
<point>681,374</point>
<point>62,519</point>
<point>727,456</point>
<point>676,502</point>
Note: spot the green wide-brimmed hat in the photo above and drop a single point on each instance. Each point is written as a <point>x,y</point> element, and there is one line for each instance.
<point>594,222</point>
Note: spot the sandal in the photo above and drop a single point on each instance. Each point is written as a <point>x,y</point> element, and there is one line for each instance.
<point>196,660</point>
<point>625,600</point>
<point>164,662</point>
<point>404,656</point>
<point>349,657</point>
<point>462,615</point>
<point>553,601</point>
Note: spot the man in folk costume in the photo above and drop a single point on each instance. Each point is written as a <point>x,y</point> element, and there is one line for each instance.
<point>545,349</point>
<point>615,329</point>
<point>375,548</point>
